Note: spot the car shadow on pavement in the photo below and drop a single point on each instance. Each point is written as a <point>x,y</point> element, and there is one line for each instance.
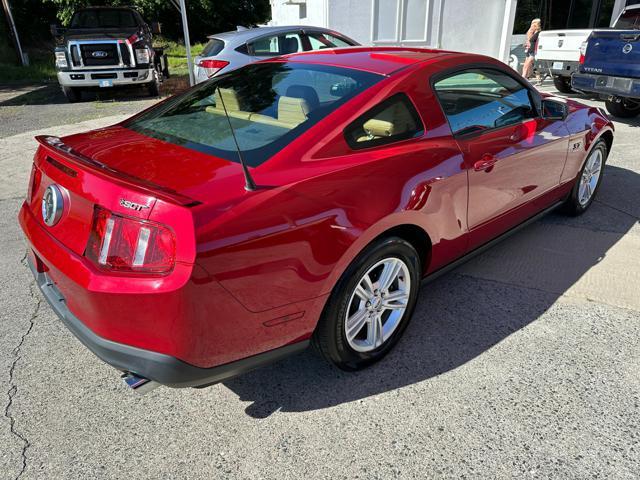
<point>460,316</point>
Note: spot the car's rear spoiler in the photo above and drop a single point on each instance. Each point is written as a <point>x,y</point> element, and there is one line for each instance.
<point>124,179</point>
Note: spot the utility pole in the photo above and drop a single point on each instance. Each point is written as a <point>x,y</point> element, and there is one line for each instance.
<point>14,32</point>
<point>182,8</point>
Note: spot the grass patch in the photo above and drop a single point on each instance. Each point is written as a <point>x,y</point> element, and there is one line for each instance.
<point>41,69</point>
<point>177,55</point>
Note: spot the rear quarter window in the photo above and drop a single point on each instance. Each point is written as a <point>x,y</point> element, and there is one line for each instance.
<point>391,121</point>
<point>212,48</point>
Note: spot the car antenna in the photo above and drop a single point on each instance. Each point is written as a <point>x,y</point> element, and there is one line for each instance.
<point>249,184</point>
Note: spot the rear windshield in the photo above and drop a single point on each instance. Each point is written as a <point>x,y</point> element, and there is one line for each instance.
<point>104,18</point>
<point>212,48</point>
<point>268,106</point>
<point>629,20</point>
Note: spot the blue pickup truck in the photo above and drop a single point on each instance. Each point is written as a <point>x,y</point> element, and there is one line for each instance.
<point>610,65</point>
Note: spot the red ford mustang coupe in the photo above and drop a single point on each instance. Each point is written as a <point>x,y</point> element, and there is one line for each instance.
<point>300,199</point>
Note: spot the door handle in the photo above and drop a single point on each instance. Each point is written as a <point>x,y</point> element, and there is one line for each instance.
<point>487,161</point>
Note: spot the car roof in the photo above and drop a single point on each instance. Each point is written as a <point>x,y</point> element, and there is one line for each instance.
<point>241,36</point>
<point>381,60</point>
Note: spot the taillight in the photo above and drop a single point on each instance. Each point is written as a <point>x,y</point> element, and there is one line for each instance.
<point>212,66</point>
<point>583,52</point>
<point>125,244</point>
<point>34,182</point>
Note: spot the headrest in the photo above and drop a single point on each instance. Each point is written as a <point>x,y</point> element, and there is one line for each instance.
<point>289,45</point>
<point>292,110</point>
<point>305,92</point>
<point>379,128</point>
<point>230,98</point>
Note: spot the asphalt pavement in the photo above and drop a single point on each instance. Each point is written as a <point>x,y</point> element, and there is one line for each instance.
<point>523,363</point>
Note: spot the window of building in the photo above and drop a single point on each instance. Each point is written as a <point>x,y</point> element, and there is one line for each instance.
<point>397,21</point>
<point>478,99</point>
<point>393,120</point>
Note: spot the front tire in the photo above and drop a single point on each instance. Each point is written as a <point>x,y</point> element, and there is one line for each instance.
<point>73,94</point>
<point>371,305</point>
<point>623,107</point>
<point>588,181</point>
<point>154,86</point>
<point>562,84</point>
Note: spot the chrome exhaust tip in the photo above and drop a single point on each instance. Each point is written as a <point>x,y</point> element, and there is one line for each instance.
<point>138,384</point>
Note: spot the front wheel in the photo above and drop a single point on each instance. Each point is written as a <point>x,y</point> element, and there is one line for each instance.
<point>623,107</point>
<point>154,86</point>
<point>73,94</point>
<point>371,305</point>
<point>588,181</point>
<point>562,84</point>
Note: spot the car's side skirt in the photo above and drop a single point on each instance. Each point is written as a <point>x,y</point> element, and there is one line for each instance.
<point>491,243</point>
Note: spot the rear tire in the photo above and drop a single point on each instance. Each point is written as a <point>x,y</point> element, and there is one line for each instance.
<point>389,307</point>
<point>562,84</point>
<point>623,107</point>
<point>73,94</point>
<point>586,186</point>
<point>165,66</point>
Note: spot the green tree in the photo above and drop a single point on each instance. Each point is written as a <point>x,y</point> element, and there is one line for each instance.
<point>205,16</point>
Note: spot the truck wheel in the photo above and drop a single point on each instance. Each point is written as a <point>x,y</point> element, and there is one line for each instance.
<point>165,66</point>
<point>73,94</point>
<point>563,84</point>
<point>623,107</point>
<point>154,86</point>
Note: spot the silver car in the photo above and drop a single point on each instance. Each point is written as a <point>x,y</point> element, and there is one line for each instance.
<point>230,50</point>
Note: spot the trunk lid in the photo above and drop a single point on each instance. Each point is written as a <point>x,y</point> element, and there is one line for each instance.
<point>614,52</point>
<point>162,167</point>
<point>120,170</point>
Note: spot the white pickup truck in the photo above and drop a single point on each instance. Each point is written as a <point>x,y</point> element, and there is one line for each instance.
<point>559,51</point>
<point>559,54</point>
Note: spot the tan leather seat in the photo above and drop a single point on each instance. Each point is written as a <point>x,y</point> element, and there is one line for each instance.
<point>292,110</point>
<point>231,102</point>
<point>394,120</point>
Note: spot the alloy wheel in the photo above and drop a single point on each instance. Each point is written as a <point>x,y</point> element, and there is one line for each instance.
<point>590,177</point>
<point>378,304</point>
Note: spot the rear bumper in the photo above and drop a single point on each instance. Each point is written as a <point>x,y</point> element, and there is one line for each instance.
<point>607,84</point>
<point>561,68</point>
<point>116,77</point>
<point>164,369</point>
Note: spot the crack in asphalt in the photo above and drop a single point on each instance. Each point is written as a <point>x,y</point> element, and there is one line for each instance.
<point>13,387</point>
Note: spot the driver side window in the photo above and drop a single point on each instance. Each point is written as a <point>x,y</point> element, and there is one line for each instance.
<point>482,99</point>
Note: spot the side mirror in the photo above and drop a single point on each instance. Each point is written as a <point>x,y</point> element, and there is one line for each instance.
<point>554,110</point>
<point>56,30</point>
<point>156,28</point>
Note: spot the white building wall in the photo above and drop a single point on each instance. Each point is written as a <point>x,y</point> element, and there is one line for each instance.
<point>290,12</point>
<point>473,26</point>
<point>477,26</point>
